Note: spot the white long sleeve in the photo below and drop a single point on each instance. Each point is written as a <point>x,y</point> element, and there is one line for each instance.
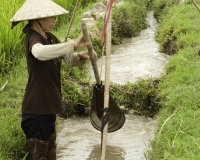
<point>66,50</point>
<point>47,52</point>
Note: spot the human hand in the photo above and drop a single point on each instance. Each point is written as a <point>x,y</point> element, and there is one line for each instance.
<point>85,55</point>
<point>95,55</point>
<point>80,42</point>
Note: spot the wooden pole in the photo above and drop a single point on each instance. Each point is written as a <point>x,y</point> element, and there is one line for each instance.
<point>70,24</point>
<point>196,5</point>
<point>107,81</point>
<point>90,51</point>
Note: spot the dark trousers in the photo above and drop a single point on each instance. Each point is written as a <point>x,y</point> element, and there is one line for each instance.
<point>38,126</point>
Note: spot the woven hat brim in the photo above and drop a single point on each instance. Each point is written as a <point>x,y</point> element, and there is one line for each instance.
<point>36,9</point>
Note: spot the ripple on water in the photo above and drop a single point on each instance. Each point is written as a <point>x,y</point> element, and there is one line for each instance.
<point>137,58</point>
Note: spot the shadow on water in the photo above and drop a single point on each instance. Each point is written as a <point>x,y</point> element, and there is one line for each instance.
<point>113,153</point>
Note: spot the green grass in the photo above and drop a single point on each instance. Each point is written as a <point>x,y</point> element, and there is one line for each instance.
<point>177,134</point>
<point>178,30</point>
<point>132,16</point>
<point>11,41</point>
<point>12,139</point>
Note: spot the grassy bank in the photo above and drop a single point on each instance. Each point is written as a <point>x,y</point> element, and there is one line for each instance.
<point>177,134</point>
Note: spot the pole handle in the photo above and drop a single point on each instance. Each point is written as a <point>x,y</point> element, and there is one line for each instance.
<point>91,54</point>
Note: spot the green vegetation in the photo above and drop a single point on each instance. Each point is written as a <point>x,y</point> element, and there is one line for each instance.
<point>12,138</point>
<point>11,42</point>
<point>177,134</point>
<point>142,97</point>
<point>128,23</point>
<point>161,6</point>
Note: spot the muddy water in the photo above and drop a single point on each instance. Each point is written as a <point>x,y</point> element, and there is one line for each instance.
<point>136,58</point>
<point>78,140</point>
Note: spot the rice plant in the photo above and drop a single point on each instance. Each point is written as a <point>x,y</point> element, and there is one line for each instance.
<point>10,40</point>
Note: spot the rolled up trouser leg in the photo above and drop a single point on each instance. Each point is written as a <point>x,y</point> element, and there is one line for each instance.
<point>37,149</point>
<point>51,152</point>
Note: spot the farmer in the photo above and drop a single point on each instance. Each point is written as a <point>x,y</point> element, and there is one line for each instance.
<point>44,52</point>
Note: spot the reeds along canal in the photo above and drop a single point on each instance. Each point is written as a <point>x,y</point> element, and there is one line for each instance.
<point>136,58</point>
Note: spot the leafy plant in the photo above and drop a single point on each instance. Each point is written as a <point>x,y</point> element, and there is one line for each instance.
<point>128,20</point>
<point>11,41</point>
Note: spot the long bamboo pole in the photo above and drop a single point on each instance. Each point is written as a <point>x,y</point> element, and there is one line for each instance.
<point>107,80</point>
<point>71,21</point>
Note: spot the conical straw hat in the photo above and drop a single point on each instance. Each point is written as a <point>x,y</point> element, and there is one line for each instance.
<point>35,9</point>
